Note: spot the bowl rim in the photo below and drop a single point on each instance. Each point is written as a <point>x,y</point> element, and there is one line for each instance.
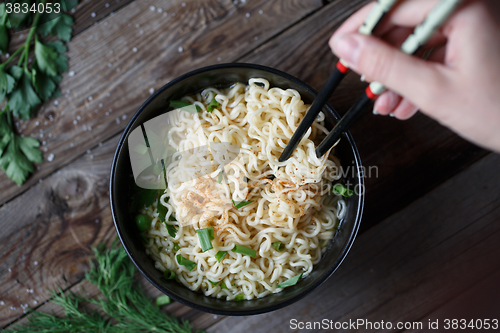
<point>236,312</point>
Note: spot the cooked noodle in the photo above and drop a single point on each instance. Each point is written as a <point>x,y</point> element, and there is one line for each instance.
<point>294,208</point>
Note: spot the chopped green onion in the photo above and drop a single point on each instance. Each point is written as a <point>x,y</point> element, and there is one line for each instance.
<point>220,177</point>
<point>244,250</point>
<point>185,262</point>
<point>290,282</point>
<point>176,247</point>
<point>179,104</point>
<point>213,105</point>
<point>162,300</point>
<point>206,236</point>
<point>278,246</point>
<point>342,190</point>
<point>172,231</point>
<point>214,283</point>
<point>239,297</point>
<point>223,285</point>
<point>169,274</point>
<point>241,204</point>
<point>143,222</point>
<point>220,255</point>
<point>183,105</point>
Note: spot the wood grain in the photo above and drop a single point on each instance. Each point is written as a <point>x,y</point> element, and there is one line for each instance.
<point>417,260</point>
<point>119,60</point>
<point>411,157</point>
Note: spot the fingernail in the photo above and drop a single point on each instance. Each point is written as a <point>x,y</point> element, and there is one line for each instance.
<point>375,112</point>
<point>392,115</point>
<point>347,47</point>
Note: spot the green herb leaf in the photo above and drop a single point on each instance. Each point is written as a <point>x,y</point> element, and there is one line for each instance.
<point>172,230</point>
<point>244,250</point>
<point>23,99</point>
<point>17,159</point>
<point>176,247</point>
<point>62,60</point>
<point>214,283</point>
<point>206,236</point>
<point>290,282</point>
<point>46,58</point>
<point>162,300</point>
<point>7,83</point>
<point>213,105</point>
<point>20,19</point>
<point>220,255</point>
<point>185,262</point>
<point>241,203</point>
<point>278,246</point>
<point>223,285</point>
<point>162,210</point>
<point>61,26</point>
<point>239,297</point>
<point>45,85</point>
<point>342,190</point>
<point>169,274</point>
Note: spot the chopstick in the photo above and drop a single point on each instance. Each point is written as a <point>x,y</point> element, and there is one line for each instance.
<point>411,45</point>
<point>341,69</point>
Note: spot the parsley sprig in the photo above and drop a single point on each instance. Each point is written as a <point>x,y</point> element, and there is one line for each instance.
<point>26,85</point>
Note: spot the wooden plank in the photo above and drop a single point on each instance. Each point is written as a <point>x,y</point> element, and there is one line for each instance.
<point>410,264</point>
<point>411,157</point>
<point>87,13</point>
<point>481,301</point>
<point>117,62</point>
<point>57,229</point>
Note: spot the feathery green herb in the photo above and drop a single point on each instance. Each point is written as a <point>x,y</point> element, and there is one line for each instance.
<point>25,85</point>
<point>126,307</point>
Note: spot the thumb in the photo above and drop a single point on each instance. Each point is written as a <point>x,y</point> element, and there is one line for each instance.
<point>411,77</point>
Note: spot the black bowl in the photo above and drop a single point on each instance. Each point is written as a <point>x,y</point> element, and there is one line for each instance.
<point>224,75</point>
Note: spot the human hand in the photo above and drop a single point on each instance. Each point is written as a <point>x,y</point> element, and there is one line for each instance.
<point>459,83</point>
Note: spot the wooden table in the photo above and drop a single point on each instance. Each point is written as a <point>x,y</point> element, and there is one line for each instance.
<point>429,245</point>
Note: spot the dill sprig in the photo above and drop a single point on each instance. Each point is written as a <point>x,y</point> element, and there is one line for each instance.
<point>123,308</point>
